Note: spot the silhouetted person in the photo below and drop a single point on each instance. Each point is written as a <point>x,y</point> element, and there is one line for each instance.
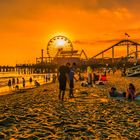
<point>130,92</point>
<point>9,84</point>
<point>46,78</point>
<point>13,82</point>
<point>53,78</point>
<point>96,78</point>
<point>17,81</point>
<point>63,77</point>
<point>37,84</point>
<point>71,78</point>
<point>113,92</point>
<point>30,80</point>
<point>23,82</point>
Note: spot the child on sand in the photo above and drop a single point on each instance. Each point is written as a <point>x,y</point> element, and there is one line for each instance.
<point>37,84</point>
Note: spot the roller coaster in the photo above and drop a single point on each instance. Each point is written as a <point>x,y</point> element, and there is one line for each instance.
<point>123,43</point>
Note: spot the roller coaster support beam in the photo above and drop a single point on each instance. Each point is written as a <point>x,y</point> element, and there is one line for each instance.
<point>127,50</point>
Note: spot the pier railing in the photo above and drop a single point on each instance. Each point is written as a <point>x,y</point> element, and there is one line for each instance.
<point>133,71</point>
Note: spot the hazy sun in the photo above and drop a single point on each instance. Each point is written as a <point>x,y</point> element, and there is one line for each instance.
<point>60,43</point>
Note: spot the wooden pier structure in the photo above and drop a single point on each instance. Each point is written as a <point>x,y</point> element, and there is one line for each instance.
<point>7,69</point>
<point>35,68</point>
<point>127,57</point>
<point>51,64</point>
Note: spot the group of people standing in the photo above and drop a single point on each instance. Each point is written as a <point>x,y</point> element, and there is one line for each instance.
<point>66,75</point>
<point>13,83</point>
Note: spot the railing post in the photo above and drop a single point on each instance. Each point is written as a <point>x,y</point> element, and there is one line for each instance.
<point>127,51</point>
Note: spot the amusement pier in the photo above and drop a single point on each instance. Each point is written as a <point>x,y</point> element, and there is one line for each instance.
<point>60,50</point>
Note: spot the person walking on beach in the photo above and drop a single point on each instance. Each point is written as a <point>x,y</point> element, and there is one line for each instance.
<point>30,80</point>
<point>63,78</point>
<point>13,82</point>
<point>71,78</point>
<point>23,82</point>
<point>9,84</point>
<point>17,81</point>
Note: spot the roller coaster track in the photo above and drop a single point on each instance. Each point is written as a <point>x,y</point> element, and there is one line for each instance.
<point>120,43</point>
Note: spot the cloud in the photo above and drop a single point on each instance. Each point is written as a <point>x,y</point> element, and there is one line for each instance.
<point>29,8</point>
<point>79,42</point>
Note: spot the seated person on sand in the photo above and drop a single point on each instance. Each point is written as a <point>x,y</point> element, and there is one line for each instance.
<point>99,79</point>
<point>114,93</point>
<point>95,78</point>
<point>84,84</point>
<point>17,87</point>
<point>100,82</point>
<point>37,84</point>
<point>131,93</point>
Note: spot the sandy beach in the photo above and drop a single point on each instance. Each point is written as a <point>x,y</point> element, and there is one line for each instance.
<point>38,114</point>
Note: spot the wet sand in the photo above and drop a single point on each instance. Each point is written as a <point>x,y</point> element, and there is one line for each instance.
<point>38,114</point>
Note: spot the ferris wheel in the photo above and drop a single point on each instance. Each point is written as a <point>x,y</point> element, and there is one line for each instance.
<point>57,44</point>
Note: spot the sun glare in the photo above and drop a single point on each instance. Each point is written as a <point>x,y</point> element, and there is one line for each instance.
<point>60,43</point>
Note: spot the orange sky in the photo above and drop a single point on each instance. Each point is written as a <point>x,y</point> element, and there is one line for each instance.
<point>27,25</point>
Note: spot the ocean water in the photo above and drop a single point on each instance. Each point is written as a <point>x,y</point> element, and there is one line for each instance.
<point>5,76</point>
